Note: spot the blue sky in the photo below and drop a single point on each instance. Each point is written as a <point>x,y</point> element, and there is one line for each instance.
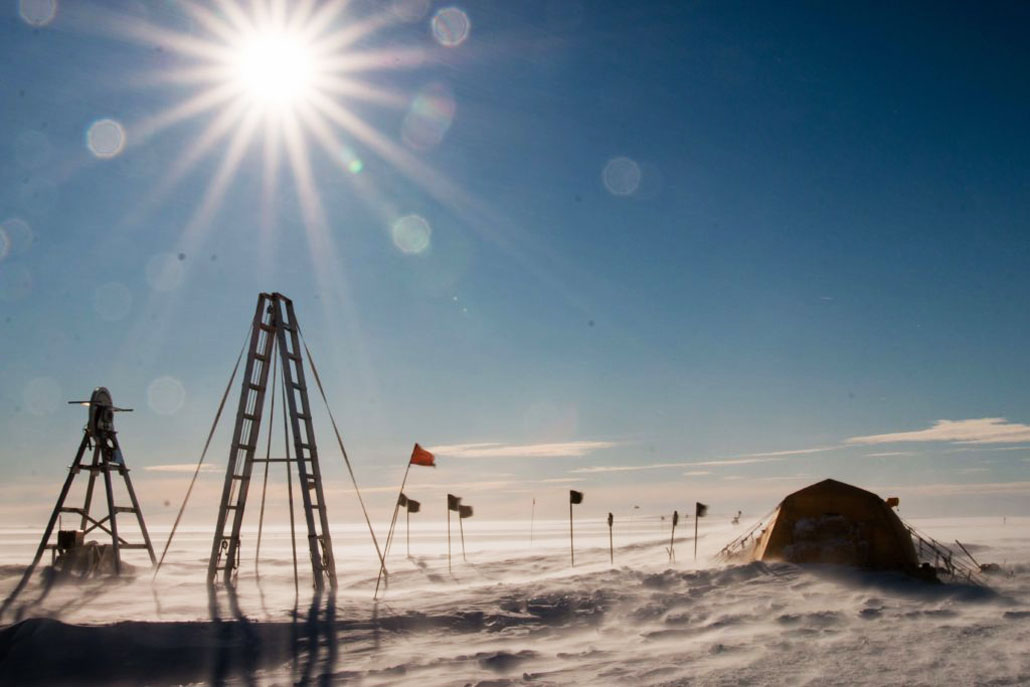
<point>726,239</point>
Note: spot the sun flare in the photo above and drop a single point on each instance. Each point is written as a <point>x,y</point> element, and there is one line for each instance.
<point>274,67</point>
<point>299,84</point>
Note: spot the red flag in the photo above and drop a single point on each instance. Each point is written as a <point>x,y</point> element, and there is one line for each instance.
<point>420,456</point>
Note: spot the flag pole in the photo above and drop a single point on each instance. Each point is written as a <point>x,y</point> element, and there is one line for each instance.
<point>697,519</point>
<point>611,547</point>
<point>461,528</point>
<point>572,548</point>
<point>448,535</point>
<point>407,531</point>
<point>532,519</point>
<point>389,535</point>
<point>672,541</point>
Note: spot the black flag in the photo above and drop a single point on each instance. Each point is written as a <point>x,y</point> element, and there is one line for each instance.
<point>700,509</point>
<point>611,519</point>
<point>464,511</point>
<point>575,497</point>
<point>453,502</point>
<point>675,518</point>
<point>413,506</point>
<point>402,500</point>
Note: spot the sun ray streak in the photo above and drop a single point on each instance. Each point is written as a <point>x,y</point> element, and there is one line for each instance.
<point>216,189</point>
<point>338,41</point>
<point>324,255</point>
<point>200,103</point>
<point>364,91</point>
<point>375,60</point>
<point>271,154</point>
<point>375,202</point>
<point>236,16</point>
<point>212,22</point>
<point>320,21</point>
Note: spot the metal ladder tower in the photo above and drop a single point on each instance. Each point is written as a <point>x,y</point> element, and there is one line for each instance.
<point>274,329</point>
<point>99,436</point>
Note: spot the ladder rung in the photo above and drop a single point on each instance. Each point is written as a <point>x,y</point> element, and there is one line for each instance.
<point>124,509</point>
<point>255,387</point>
<point>248,416</point>
<point>133,546</point>
<point>266,327</point>
<point>303,416</point>
<point>67,509</point>
<point>299,386</point>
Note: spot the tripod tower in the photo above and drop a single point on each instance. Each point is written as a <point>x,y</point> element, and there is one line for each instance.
<point>99,437</point>
<point>274,335</point>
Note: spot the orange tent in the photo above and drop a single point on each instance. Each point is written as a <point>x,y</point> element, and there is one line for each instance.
<point>833,522</point>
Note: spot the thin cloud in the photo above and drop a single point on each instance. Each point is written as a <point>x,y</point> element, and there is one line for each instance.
<point>568,449</point>
<point>662,466</point>
<point>182,467</point>
<point>985,430</point>
<point>962,489</point>
<point>980,449</point>
<point>793,452</point>
<point>889,454</point>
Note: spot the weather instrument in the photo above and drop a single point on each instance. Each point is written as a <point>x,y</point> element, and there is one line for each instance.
<point>71,554</point>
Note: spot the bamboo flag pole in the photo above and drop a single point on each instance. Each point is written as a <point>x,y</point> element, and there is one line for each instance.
<point>407,531</point>
<point>700,510</point>
<point>572,547</point>
<point>419,456</point>
<point>574,498</point>
<point>532,520</point>
<point>463,512</point>
<point>389,534</point>
<point>672,538</point>
<point>461,528</point>
<point>611,547</point>
<point>453,503</point>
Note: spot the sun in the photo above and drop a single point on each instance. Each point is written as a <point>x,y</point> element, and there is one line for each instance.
<point>274,67</point>
<point>280,88</point>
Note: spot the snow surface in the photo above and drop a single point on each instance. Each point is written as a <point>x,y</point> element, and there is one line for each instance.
<point>519,614</point>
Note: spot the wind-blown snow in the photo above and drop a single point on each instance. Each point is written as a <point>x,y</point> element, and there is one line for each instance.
<point>515,614</point>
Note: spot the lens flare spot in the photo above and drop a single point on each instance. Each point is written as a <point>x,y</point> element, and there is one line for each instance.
<point>411,234</point>
<point>166,395</point>
<point>105,138</point>
<point>450,26</point>
<point>42,395</point>
<point>351,161</point>
<point>429,117</point>
<point>37,12</point>
<point>621,176</point>
<point>164,272</point>
<point>15,237</point>
<point>112,301</point>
